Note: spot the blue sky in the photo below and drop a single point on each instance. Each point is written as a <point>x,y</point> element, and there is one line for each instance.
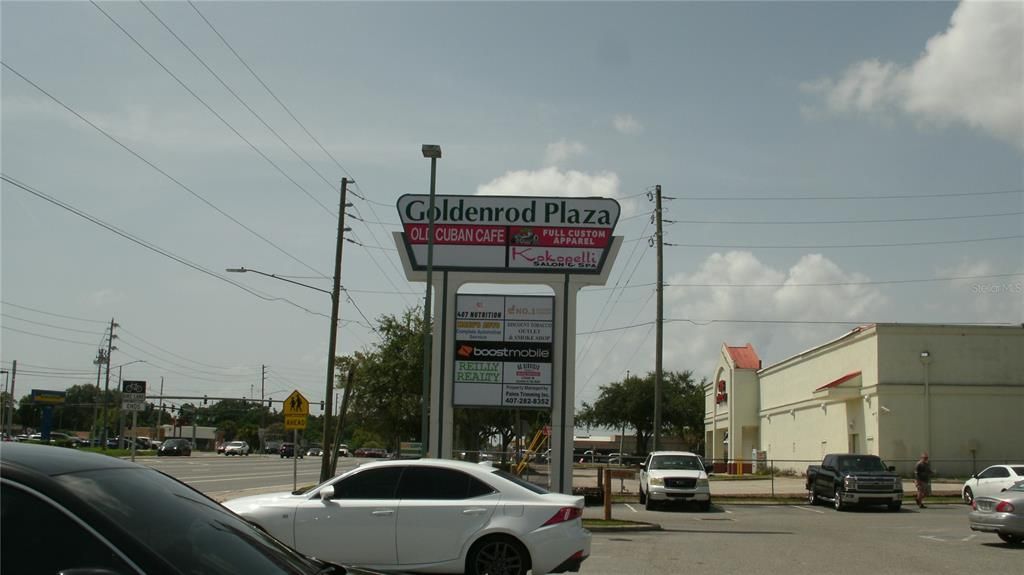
<point>747,114</point>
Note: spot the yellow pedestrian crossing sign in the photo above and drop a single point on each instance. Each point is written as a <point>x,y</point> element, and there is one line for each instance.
<point>296,409</point>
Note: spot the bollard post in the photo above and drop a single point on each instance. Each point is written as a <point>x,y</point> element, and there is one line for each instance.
<point>607,493</point>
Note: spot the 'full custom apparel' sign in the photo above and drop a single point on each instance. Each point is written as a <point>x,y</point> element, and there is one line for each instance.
<point>502,233</point>
<point>503,350</point>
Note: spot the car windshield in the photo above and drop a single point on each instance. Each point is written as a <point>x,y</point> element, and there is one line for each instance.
<point>182,526</point>
<point>676,462</point>
<point>521,482</point>
<point>861,464</point>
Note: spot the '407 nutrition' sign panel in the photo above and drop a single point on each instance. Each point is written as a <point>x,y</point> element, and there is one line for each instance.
<point>503,350</point>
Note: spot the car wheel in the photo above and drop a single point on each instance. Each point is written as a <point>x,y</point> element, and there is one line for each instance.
<point>895,505</point>
<point>497,556</point>
<point>643,498</point>
<point>705,505</point>
<point>812,499</point>
<point>968,496</point>
<point>838,501</point>
<point>1011,539</point>
<point>649,504</point>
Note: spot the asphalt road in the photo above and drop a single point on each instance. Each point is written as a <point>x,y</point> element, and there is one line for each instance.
<point>732,538</point>
<point>800,539</point>
<point>223,478</point>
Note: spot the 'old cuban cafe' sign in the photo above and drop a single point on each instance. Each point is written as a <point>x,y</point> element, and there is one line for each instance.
<point>511,234</point>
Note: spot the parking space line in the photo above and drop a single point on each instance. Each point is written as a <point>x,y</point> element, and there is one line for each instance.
<point>630,507</point>
<point>808,509</point>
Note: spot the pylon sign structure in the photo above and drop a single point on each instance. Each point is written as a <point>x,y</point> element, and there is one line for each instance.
<point>296,411</point>
<point>506,350</point>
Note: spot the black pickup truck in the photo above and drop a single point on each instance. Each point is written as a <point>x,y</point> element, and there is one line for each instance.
<point>852,479</point>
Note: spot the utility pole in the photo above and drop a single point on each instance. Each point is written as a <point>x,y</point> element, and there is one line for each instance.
<point>160,411</point>
<point>10,414</point>
<point>263,383</point>
<point>660,320</point>
<point>263,412</point>
<point>106,386</point>
<point>325,466</point>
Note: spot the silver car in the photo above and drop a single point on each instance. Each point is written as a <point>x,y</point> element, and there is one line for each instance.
<point>1002,514</point>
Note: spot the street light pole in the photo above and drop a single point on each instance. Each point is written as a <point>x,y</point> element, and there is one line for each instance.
<point>432,151</point>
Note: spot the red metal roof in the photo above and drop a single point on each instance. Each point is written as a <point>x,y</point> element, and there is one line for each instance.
<point>744,357</point>
<point>839,381</point>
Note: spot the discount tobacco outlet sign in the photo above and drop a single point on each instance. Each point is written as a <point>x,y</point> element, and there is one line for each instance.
<point>510,233</point>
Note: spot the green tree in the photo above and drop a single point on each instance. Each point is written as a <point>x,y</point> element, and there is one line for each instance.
<point>630,403</point>
<point>388,383</point>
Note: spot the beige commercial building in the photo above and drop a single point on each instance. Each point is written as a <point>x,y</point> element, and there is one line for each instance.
<point>892,390</point>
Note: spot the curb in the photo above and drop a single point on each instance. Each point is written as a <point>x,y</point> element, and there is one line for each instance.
<point>623,528</point>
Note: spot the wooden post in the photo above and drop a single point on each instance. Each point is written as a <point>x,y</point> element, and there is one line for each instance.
<point>607,473</point>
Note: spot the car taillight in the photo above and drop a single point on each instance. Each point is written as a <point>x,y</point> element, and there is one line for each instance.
<point>564,514</point>
<point>1004,507</point>
<point>974,504</point>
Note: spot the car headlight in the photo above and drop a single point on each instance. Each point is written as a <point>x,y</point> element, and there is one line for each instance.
<point>656,480</point>
<point>897,484</point>
<point>702,482</point>
<point>850,483</point>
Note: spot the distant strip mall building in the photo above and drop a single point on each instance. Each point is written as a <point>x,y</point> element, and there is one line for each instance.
<point>892,390</point>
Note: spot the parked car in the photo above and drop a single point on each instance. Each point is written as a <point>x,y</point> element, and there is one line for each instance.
<point>433,515</point>
<point>272,446</point>
<point>674,476</point>
<point>846,479</point>
<point>175,446</point>
<point>221,446</point>
<point>236,448</point>
<point>288,450</point>
<point>343,450</point>
<point>991,481</point>
<point>101,509</point>
<point>372,452</point>
<point>315,452</point>
<point>1002,514</point>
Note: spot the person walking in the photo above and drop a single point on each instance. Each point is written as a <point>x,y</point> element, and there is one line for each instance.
<point>922,479</point>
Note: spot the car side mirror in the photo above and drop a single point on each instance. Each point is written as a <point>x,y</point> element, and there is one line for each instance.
<point>892,468</point>
<point>327,493</point>
<point>709,472</point>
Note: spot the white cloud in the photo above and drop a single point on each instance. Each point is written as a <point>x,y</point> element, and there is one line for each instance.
<point>696,345</point>
<point>552,182</point>
<point>985,299</point>
<point>973,73</point>
<point>627,124</point>
<point>562,150</point>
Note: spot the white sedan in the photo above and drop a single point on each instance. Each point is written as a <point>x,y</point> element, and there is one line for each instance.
<point>674,476</point>
<point>428,516</point>
<point>991,481</point>
<point>236,448</point>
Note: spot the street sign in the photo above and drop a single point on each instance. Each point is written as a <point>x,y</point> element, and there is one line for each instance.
<point>296,410</point>
<point>133,395</point>
<point>48,397</point>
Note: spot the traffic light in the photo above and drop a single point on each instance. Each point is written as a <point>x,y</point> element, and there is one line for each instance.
<point>270,403</point>
<point>321,406</point>
<point>204,400</point>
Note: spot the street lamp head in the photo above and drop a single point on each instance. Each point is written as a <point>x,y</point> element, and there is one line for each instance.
<point>431,151</point>
<point>236,270</point>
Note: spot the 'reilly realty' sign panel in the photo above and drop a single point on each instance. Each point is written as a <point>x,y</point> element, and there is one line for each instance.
<point>509,233</point>
<point>503,350</point>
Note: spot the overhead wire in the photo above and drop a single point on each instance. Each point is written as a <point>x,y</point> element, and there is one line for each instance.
<point>148,245</point>
<point>195,194</point>
<point>836,222</point>
<point>210,108</point>
<point>847,198</point>
<point>846,246</point>
<point>5,302</point>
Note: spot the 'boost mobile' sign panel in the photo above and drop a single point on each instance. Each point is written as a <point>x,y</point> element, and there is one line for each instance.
<point>503,350</point>
<point>503,233</point>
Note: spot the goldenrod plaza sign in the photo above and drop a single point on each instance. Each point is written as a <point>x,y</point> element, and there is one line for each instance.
<point>510,233</point>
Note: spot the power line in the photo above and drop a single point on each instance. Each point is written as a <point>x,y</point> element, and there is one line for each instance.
<point>845,198</point>
<point>237,97</point>
<point>4,302</point>
<point>9,328</point>
<point>850,283</point>
<point>208,107</point>
<point>833,222</point>
<point>47,324</point>
<point>148,245</point>
<point>161,171</point>
<point>846,246</point>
